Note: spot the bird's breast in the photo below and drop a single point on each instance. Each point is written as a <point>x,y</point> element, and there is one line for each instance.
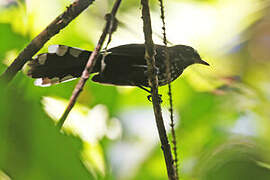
<point>175,69</point>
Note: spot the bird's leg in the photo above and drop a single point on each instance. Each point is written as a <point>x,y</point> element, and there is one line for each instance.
<point>149,97</point>
<point>143,88</point>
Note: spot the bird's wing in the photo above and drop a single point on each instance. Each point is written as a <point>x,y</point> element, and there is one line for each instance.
<point>126,55</point>
<point>128,50</point>
<point>123,75</point>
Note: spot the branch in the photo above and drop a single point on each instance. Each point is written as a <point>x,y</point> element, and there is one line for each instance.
<point>109,28</point>
<point>168,71</point>
<point>37,43</point>
<point>153,80</point>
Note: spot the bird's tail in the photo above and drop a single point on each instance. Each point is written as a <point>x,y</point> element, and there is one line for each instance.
<point>61,63</point>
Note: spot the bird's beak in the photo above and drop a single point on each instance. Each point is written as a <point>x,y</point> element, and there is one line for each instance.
<point>203,62</point>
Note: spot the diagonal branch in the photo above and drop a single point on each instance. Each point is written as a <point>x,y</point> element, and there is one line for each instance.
<point>109,28</point>
<point>37,43</point>
<point>153,80</point>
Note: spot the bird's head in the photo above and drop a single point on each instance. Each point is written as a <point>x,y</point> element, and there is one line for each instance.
<point>187,55</point>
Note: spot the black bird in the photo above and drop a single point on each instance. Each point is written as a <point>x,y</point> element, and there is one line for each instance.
<point>124,65</point>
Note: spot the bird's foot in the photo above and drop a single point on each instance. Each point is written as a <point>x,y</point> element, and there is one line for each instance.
<point>149,97</point>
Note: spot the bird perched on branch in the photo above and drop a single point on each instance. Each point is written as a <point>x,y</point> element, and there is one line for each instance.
<point>123,65</point>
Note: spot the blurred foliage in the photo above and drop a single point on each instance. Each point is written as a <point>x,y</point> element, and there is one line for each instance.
<point>31,146</point>
<point>222,112</point>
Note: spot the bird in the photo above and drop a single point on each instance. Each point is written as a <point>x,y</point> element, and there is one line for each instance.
<point>124,65</point>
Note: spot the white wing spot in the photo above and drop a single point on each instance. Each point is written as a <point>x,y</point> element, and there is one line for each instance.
<point>42,82</point>
<point>53,48</point>
<point>75,52</point>
<point>42,58</point>
<point>61,51</point>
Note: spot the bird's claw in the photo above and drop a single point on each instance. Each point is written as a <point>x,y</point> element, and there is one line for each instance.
<point>149,97</point>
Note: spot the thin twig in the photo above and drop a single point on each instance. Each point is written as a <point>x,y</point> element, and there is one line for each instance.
<point>38,42</point>
<point>150,57</point>
<point>168,70</point>
<point>90,64</point>
<point>112,28</point>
